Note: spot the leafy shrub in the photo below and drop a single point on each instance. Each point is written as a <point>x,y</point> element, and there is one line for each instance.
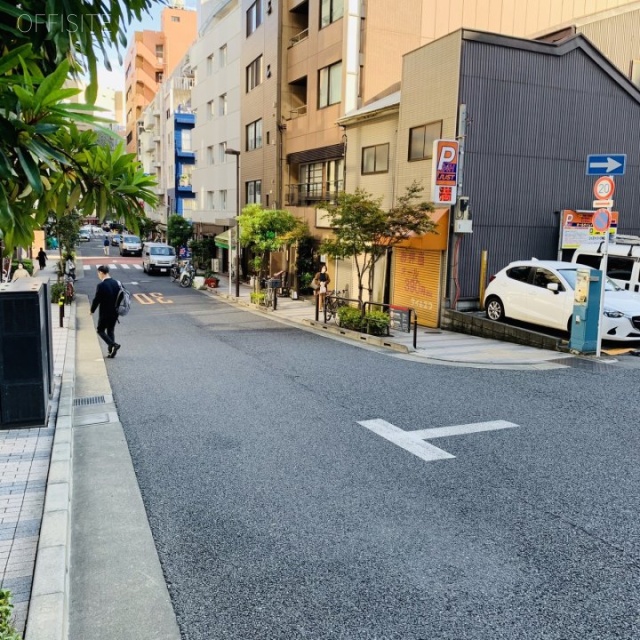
<point>350,318</point>
<point>57,290</point>
<point>257,298</point>
<point>376,323</point>
<point>7,630</point>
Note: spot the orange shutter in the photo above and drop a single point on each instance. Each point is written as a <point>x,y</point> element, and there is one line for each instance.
<point>416,283</point>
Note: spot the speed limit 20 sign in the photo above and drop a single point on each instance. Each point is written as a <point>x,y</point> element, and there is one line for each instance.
<point>603,188</point>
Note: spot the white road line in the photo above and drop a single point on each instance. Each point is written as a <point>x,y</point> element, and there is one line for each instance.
<point>138,267</point>
<point>125,266</point>
<point>86,267</point>
<point>414,441</point>
<point>405,440</point>
<point>113,266</point>
<point>462,429</point>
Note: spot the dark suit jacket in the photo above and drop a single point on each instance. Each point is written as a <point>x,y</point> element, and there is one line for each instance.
<point>105,298</point>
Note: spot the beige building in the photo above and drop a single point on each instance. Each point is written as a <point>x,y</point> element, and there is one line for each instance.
<point>152,56</point>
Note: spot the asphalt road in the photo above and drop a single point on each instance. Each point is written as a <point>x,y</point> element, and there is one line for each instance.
<point>278,516</point>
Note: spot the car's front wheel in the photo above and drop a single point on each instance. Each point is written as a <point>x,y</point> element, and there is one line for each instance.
<point>495,309</point>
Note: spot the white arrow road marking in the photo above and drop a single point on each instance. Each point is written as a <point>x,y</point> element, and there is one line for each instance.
<point>414,441</point>
<point>609,165</point>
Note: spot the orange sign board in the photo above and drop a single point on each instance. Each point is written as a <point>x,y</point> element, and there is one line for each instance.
<point>577,228</point>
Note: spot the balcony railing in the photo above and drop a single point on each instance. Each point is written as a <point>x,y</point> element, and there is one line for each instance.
<point>310,193</point>
<point>299,37</point>
<point>296,113</point>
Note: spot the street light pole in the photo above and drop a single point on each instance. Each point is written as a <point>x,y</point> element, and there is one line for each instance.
<point>236,153</point>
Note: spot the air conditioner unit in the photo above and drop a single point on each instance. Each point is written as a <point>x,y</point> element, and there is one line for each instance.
<point>215,265</point>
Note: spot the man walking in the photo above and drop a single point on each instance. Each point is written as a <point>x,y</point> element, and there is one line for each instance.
<point>106,296</point>
<point>105,244</point>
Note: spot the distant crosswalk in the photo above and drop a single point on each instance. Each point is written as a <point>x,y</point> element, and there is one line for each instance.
<point>112,267</point>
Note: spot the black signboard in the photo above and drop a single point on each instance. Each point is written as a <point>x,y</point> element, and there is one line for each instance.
<point>400,318</point>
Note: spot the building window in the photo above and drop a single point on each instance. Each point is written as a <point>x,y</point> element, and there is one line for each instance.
<point>330,85</point>
<point>330,11</point>
<point>210,64</point>
<point>210,203</point>
<point>210,110</point>
<point>254,192</point>
<point>169,136</point>
<point>222,147</point>
<point>421,140</point>
<point>186,140</point>
<point>210,155</point>
<point>160,52</point>
<point>159,76</point>
<point>317,182</point>
<point>175,18</point>
<point>375,159</point>
<point>222,105</point>
<point>254,135</point>
<point>223,200</point>
<point>222,56</point>
<point>254,17</point>
<point>254,74</point>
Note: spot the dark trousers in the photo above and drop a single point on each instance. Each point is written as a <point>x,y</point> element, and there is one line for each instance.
<point>106,331</point>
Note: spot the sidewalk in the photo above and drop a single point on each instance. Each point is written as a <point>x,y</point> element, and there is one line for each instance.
<point>433,346</point>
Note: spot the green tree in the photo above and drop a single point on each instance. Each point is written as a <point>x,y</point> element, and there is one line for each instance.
<point>179,231</point>
<point>364,231</point>
<point>267,230</point>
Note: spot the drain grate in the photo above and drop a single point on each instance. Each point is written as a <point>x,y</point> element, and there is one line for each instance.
<point>83,402</point>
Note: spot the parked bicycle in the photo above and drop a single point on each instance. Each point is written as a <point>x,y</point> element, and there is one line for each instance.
<point>69,288</point>
<point>333,301</point>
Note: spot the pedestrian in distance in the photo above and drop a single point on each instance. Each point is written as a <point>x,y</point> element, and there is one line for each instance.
<point>20,272</point>
<point>70,267</point>
<point>105,244</point>
<point>42,259</point>
<point>322,280</point>
<point>106,301</point>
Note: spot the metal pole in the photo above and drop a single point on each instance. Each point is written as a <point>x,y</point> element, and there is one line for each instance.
<point>603,268</point>
<point>483,276</point>
<point>238,226</point>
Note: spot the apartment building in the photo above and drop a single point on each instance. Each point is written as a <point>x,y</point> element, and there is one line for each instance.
<point>215,99</point>
<point>153,56</point>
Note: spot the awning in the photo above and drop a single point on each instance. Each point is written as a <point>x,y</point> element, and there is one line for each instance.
<point>222,240</point>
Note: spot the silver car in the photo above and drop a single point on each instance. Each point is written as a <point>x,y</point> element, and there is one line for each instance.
<point>130,245</point>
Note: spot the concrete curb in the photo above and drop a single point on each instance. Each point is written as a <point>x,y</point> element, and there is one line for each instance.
<point>48,608</point>
<point>319,327</point>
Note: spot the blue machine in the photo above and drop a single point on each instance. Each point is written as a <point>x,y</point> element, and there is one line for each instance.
<point>586,311</point>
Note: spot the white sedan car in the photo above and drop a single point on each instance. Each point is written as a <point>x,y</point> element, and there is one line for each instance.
<point>541,292</point>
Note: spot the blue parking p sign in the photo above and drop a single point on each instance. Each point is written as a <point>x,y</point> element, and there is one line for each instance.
<point>606,164</point>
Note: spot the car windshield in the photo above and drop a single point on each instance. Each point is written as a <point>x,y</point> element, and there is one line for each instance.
<point>570,276</point>
<point>131,239</point>
<point>162,251</point>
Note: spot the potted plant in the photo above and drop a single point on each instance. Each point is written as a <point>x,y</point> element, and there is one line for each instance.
<point>212,282</point>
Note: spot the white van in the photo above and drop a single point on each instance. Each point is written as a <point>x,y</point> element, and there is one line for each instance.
<point>157,256</point>
<point>623,264</point>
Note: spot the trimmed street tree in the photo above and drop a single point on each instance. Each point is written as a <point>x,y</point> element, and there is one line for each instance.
<point>364,231</point>
<point>267,230</point>
<point>179,232</point>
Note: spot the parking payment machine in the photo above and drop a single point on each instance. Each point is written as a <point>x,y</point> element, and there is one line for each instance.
<point>586,311</point>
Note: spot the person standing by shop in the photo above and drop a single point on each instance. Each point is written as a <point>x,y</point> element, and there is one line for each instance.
<point>322,279</point>
<point>105,299</point>
<point>42,259</point>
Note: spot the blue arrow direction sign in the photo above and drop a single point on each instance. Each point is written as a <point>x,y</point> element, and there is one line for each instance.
<point>608,164</point>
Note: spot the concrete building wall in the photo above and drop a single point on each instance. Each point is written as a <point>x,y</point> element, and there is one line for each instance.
<point>217,74</point>
<point>377,131</point>
<point>260,103</point>
<point>429,95</point>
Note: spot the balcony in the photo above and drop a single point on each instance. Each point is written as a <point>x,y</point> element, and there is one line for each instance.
<point>299,37</point>
<point>296,113</point>
<point>311,193</point>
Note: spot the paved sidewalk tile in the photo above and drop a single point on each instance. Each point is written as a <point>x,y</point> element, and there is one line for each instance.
<point>24,464</point>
